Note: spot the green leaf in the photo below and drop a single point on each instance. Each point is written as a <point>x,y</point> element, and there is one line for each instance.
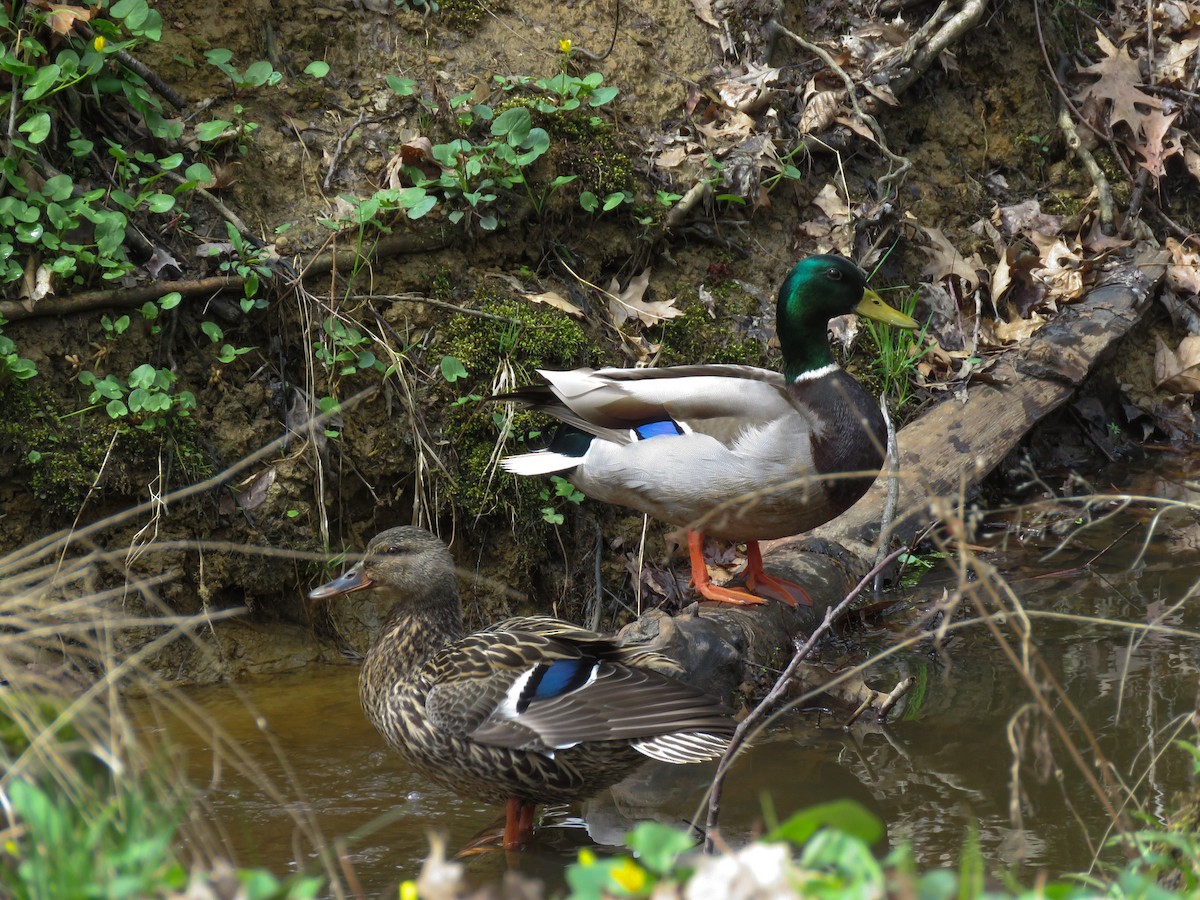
<point>213,330</point>
<point>116,409</point>
<point>846,816</point>
<point>58,188</point>
<point>170,301</point>
<point>29,234</point>
<point>160,203</point>
<point>422,206</point>
<point>589,201</point>
<point>37,127</point>
<point>403,87</point>
<point>602,96</point>
<point>658,845</point>
<point>452,369</point>
<point>199,173</point>
<point>143,376</point>
<point>317,68</point>
<point>259,73</point>
<point>613,200</point>
<point>218,56</point>
<point>513,124</point>
<point>210,131</point>
<point>42,81</point>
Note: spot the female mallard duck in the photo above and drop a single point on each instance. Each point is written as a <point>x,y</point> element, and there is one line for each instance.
<point>531,710</point>
<point>735,452</point>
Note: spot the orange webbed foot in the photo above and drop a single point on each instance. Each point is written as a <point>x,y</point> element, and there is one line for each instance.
<point>776,588</point>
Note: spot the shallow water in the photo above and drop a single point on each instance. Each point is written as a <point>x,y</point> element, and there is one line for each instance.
<point>944,763</point>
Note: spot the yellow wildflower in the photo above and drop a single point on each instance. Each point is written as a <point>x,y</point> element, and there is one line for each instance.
<point>564,45</point>
<point>586,857</point>
<point>98,42</point>
<point>630,876</point>
<point>408,890</point>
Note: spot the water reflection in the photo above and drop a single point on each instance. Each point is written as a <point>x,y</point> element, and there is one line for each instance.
<point>947,762</point>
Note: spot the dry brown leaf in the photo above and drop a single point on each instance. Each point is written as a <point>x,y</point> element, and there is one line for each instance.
<point>1157,147</point>
<point>945,260</point>
<point>736,128</point>
<point>1183,272</point>
<point>671,157</point>
<point>550,298</point>
<point>859,128</point>
<point>628,304</point>
<point>250,493</point>
<point>1062,267</point>
<point>1172,66</point>
<point>749,91</point>
<point>703,10</point>
<point>830,201</point>
<point>1191,159</point>
<point>1013,332</point>
<point>63,17</point>
<point>1026,218</point>
<point>1178,370</point>
<point>1118,77</point>
<point>820,111</point>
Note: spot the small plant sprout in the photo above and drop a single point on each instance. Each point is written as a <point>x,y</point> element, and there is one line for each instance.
<point>564,492</point>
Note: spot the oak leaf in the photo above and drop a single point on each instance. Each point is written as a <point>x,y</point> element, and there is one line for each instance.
<point>1118,76</point>
<point>1178,370</point>
<point>628,304</point>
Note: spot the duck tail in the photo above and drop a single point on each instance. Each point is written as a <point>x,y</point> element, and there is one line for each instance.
<point>683,747</point>
<point>565,451</point>
<point>540,462</point>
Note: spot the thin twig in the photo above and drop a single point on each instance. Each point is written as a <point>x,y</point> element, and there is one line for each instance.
<point>341,145</point>
<point>782,684</point>
<point>893,487</point>
<point>1104,197</point>
<point>440,304</point>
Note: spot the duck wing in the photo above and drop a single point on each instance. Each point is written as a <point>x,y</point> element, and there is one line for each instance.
<point>616,404</point>
<point>545,685</point>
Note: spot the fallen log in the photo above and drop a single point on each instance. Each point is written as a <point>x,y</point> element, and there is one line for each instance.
<point>945,453</point>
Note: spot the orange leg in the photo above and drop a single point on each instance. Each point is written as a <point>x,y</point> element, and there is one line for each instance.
<point>777,588</point>
<point>518,822</point>
<point>704,586</point>
<point>526,823</point>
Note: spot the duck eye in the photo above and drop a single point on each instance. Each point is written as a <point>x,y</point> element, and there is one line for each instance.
<point>833,274</point>
<point>393,551</point>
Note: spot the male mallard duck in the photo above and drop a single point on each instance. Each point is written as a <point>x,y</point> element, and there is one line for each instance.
<point>736,452</point>
<point>531,710</point>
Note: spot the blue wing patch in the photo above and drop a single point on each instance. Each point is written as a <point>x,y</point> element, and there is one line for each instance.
<point>555,679</point>
<point>668,428</point>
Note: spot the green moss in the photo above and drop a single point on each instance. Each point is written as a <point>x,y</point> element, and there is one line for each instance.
<point>581,144</point>
<point>589,147</point>
<point>531,337</point>
<point>697,337</point>
<point>64,451</point>
<point>461,15</point>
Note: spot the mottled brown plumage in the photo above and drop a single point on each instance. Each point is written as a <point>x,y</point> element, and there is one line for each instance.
<point>531,710</point>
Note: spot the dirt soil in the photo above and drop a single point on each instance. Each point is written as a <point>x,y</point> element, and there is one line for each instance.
<point>978,127</point>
